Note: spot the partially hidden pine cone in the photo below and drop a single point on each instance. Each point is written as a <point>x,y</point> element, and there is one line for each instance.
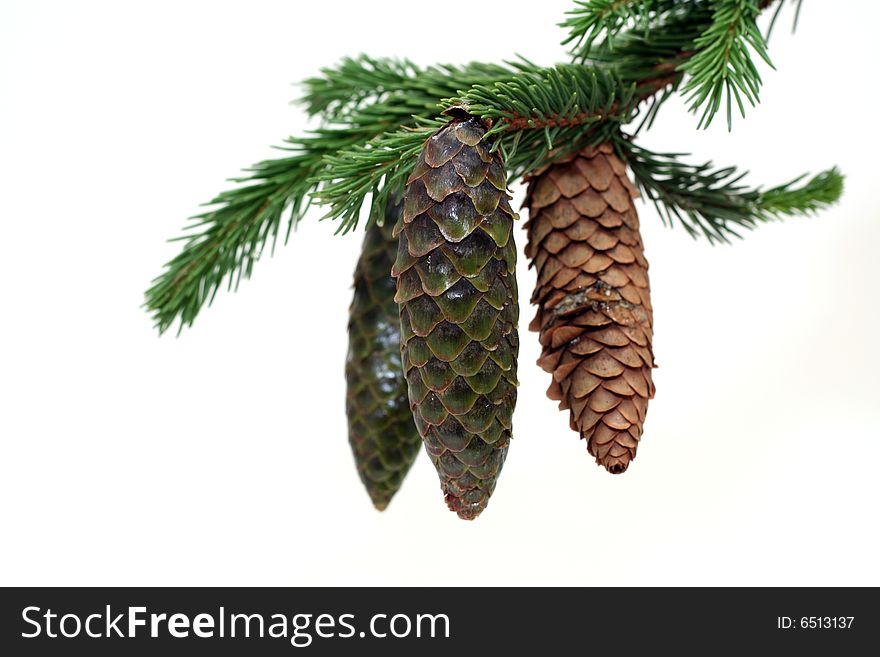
<point>594,308</point>
<point>381,431</point>
<point>457,292</point>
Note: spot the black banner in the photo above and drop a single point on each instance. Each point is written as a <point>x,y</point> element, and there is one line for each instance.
<point>448,621</point>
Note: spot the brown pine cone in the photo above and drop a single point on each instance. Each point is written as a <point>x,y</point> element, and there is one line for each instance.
<point>594,307</point>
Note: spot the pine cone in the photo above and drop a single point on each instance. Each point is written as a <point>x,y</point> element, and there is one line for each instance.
<point>381,430</point>
<point>594,307</point>
<point>457,292</point>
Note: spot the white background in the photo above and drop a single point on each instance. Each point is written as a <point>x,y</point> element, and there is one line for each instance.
<point>221,457</point>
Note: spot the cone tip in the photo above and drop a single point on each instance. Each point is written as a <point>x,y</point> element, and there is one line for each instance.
<point>465,510</point>
<point>380,502</point>
<point>616,465</point>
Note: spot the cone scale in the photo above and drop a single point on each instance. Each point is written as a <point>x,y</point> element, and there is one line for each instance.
<point>594,308</point>
<point>381,432</point>
<point>457,292</point>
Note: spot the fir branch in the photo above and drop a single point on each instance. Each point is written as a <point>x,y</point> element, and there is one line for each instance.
<point>352,82</point>
<point>656,44</point>
<point>536,115</point>
<point>224,243</point>
<point>712,202</point>
<point>651,58</point>
<point>396,84</point>
<point>562,96</point>
<point>375,168</point>
<point>722,67</point>
<point>819,192</point>
<point>362,98</point>
<point>221,245</point>
<point>592,20</point>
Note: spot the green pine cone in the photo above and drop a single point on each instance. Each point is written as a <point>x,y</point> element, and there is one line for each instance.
<point>456,287</point>
<point>381,431</point>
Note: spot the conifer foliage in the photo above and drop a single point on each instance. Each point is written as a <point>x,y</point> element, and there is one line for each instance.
<point>433,338</point>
